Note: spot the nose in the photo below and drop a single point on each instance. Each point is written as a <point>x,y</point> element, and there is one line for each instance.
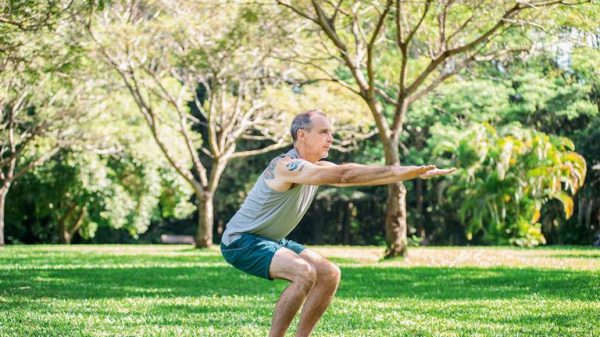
<point>329,138</point>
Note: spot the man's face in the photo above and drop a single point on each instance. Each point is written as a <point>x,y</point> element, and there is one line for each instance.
<point>319,138</point>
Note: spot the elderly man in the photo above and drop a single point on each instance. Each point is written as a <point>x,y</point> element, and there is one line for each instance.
<point>254,239</point>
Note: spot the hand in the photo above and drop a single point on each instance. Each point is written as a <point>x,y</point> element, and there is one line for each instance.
<point>436,172</point>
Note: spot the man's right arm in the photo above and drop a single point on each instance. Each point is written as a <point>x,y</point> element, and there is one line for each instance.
<point>298,171</point>
<point>401,172</point>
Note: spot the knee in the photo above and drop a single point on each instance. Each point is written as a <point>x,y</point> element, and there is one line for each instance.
<point>331,274</point>
<point>306,275</point>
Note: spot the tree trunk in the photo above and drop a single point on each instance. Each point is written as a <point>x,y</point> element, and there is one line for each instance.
<point>395,221</point>
<point>63,233</point>
<point>419,191</point>
<point>346,223</point>
<point>419,209</point>
<point>204,235</point>
<point>64,236</point>
<point>395,214</point>
<point>3,192</point>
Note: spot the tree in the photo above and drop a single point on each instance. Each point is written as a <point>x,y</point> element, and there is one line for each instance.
<point>37,99</point>
<point>18,17</point>
<point>396,52</point>
<point>106,175</point>
<point>209,89</point>
<point>76,192</point>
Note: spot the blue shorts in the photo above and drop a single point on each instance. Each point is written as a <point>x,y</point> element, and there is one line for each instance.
<point>253,254</point>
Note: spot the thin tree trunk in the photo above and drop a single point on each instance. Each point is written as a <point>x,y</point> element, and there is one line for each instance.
<point>63,232</point>
<point>317,227</point>
<point>346,223</point>
<point>68,234</point>
<point>204,235</point>
<point>419,209</point>
<point>78,223</point>
<point>3,192</point>
<point>588,213</point>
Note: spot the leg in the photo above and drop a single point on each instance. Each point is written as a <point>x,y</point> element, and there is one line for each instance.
<point>289,266</point>
<point>320,296</point>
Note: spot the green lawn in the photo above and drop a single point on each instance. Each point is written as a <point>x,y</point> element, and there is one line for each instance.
<point>178,291</point>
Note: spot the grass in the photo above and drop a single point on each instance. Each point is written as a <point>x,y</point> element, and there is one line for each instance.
<point>178,291</point>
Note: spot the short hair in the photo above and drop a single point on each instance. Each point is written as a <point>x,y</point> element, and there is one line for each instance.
<point>303,121</point>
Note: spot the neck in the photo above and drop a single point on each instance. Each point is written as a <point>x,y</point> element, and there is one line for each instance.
<point>306,155</point>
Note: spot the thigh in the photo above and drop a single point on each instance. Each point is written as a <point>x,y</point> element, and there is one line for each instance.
<point>288,265</point>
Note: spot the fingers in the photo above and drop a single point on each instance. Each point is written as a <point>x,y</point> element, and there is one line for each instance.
<point>438,172</point>
<point>446,171</point>
<point>426,168</point>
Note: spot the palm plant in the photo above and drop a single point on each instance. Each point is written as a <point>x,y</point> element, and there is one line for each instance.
<point>506,175</point>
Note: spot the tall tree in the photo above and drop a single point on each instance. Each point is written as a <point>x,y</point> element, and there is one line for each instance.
<point>398,51</point>
<point>37,99</point>
<point>109,176</point>
<point>203,71</point>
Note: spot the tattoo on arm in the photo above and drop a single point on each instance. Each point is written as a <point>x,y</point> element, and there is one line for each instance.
<point>270,170</point>
<point>295,165</point>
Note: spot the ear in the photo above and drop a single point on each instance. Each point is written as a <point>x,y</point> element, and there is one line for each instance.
<point>301,134</point>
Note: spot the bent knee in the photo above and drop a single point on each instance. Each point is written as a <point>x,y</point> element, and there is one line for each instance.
<point>330,273</point>
<point>306,275</point>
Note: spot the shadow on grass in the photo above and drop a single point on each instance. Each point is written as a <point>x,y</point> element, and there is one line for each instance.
<point>57,258</point>
<point>357,282</point>
<point>469,283</point>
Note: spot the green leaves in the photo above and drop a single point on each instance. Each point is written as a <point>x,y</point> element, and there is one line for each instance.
<point>502,191</point>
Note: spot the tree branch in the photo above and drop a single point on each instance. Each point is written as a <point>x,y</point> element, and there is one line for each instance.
<point>448,53</point>
<point>463,25</point>
<point>272,147</point>
<point>35,163</point>
<point>414,30</point>
<point>297,11</point>
<point>200,169</point>
<point>378,26</point>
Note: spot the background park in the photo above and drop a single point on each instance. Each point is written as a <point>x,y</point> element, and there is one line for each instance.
<point>128,124</point>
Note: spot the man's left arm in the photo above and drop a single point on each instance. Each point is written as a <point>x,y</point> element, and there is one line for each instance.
<point>428,175</point>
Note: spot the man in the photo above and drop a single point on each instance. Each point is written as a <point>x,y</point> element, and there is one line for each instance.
<point>254,239</point>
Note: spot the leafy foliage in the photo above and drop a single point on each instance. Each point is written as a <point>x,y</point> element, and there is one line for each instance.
<point>79,192</point>
<point>505,178</point>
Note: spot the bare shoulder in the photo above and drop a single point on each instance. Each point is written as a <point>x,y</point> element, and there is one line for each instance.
<point>288,165</point>
<point>284,164</point>
<point>283,172</point>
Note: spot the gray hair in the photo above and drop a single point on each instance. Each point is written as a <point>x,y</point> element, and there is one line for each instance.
<point>303,121</point>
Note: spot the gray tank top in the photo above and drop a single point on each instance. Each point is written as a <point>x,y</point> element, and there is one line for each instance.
<point>269,213</point>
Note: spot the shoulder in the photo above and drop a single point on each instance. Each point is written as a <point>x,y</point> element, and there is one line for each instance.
<point>284,164</point>
<point>289,164</point>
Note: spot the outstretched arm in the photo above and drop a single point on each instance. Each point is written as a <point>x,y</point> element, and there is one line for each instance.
<point>427,175</point>
<point>287,171</point>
